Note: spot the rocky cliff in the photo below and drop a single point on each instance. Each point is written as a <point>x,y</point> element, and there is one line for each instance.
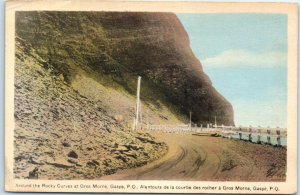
<point>75,85</point>
<point>113,48</point>
<point>60,134</point>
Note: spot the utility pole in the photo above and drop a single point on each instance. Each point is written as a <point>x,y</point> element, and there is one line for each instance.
<point>190,120</point>
<point>136,122</point>
<point>215,122</point>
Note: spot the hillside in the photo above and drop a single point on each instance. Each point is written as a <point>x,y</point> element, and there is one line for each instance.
<point>75,88</point>
<point>60,134</point>
<point>108,50</point>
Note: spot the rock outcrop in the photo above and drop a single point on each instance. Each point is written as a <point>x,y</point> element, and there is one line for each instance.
<point>115,47</point>
<point>75,85</point>
<point>60,134</point>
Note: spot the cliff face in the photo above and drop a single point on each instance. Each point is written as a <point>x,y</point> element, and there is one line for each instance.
<point>113,48</point>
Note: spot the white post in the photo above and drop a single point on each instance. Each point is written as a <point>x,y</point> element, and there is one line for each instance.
<point>269,137</point>
<point>259,136</point>
<point>278,137</point>
<point>137,104</point>
<point>190,121</point>
<point>216,122</point>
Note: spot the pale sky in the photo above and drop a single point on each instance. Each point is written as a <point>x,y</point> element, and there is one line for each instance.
<point>245,56</point>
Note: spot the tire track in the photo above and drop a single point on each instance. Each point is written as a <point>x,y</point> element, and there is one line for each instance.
<point>166,165</point>
<point>199,162</point>
<point>196,158</point>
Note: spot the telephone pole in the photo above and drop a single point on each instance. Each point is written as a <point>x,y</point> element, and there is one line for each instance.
<point>190,120</point>
<point>136,122</point>
<point>215,122</point>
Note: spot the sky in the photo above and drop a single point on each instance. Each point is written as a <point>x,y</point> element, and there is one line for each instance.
<point>245,56</point>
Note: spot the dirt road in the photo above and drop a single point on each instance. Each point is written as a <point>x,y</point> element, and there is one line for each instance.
<point>206,158</point>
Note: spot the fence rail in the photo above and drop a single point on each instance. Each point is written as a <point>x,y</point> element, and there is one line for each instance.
<point>272,136</point>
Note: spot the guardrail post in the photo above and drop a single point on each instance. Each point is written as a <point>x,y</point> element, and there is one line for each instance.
<point>269,137</point>
<point>259,136</point>
<point>250,135</point>
<point>278,137</point>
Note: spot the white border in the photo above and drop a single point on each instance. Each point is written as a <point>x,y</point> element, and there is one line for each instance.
<point>178,7</point>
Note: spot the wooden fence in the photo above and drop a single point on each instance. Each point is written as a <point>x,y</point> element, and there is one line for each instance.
<point>241,133</point>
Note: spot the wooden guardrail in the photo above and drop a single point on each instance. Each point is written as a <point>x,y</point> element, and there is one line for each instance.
<point>241,133</point>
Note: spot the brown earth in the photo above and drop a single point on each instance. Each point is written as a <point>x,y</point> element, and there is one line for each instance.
<point>75,82</point>
<point>206,158</point>
<point>60,134</point>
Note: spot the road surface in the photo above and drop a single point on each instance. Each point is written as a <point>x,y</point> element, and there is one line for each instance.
<point>207,158</point>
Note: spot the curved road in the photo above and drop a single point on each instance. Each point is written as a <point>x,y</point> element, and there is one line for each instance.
<point>192,157</point>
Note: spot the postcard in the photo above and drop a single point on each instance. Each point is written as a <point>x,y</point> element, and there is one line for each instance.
<point>151,97</point>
